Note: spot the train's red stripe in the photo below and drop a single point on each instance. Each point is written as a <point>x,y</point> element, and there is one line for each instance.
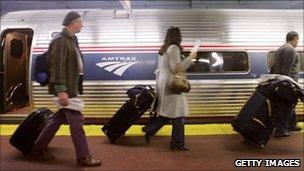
<point>185,46</point>
<point>156,48</point>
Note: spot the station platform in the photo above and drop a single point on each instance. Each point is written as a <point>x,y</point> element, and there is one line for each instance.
<point>211,147</point>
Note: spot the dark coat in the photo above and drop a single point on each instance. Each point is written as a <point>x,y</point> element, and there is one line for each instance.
<point>64,65</point>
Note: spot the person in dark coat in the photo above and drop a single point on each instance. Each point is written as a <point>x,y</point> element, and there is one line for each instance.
<point>66,72</point>
<point>287,63</point>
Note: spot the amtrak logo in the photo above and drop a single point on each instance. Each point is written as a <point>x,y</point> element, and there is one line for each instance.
<point>117,65</point>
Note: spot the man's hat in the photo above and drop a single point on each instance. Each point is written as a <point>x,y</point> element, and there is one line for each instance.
<point>69,17</point>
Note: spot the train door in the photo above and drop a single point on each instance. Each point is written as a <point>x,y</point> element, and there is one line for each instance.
<point>14,68</point>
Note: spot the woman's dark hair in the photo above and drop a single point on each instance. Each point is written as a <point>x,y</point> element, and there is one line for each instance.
<point>173,37</point>
<point>291,36</point>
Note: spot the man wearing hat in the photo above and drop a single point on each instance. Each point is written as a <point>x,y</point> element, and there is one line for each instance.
<point>66,73</point>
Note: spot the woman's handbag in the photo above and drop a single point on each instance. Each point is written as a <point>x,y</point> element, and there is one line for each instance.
<point>179,84</point>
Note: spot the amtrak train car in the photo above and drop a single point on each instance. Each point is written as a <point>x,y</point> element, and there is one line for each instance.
<point>120,50</point>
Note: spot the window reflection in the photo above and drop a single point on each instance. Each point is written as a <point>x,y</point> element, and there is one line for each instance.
<point>220,62</point>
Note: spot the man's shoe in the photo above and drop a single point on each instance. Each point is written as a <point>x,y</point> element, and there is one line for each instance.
<point>282,133</point>
<point>296,128</point>
<point>41,155</point>
<point>89,162</point>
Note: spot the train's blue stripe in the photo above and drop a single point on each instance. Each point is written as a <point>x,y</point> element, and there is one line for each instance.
<point>100,66</point>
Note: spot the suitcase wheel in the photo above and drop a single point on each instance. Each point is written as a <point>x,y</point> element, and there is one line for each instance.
<point>112,141</point>
<point>262,144</point>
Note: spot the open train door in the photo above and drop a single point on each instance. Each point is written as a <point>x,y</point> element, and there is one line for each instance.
<point>14,68</point>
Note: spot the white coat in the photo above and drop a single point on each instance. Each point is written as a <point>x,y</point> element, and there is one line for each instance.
<point>171,105</point>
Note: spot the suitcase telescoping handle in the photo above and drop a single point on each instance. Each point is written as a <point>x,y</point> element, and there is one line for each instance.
<point>136,98</point>
<point>150,92</point>
<point>152,110</point>
<point>153,104</point>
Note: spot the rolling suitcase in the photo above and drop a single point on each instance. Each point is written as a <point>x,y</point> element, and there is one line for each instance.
<point>28,131</point>
<point>254,122</point>
<point>141,98</point>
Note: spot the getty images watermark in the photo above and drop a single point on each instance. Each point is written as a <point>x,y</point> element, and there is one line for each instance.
<point>267,162</point>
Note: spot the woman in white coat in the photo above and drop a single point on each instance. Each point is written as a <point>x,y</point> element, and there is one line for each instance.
<point>170,106</point>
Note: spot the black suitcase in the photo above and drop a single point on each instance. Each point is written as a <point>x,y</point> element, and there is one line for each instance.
<point>254,122</point>
<point>28,131</point>
<point>141,98</point>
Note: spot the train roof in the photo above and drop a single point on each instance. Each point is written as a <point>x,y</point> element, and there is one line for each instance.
<point>148,26</point>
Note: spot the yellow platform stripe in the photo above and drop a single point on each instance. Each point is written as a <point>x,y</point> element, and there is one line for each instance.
<point>135,130</point>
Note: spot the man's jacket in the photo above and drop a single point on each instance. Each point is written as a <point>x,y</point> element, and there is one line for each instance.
<point>64,65</point>
<point>287,62</point>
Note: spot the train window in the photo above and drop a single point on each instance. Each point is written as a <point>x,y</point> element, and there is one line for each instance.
<point>271,57</point>
<point>16,48</point>
<point>219,62</point>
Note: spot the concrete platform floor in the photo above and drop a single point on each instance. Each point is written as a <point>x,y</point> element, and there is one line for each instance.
<point>208,152</point>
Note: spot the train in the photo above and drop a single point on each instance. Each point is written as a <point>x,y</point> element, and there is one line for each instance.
<point>120,50</point>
